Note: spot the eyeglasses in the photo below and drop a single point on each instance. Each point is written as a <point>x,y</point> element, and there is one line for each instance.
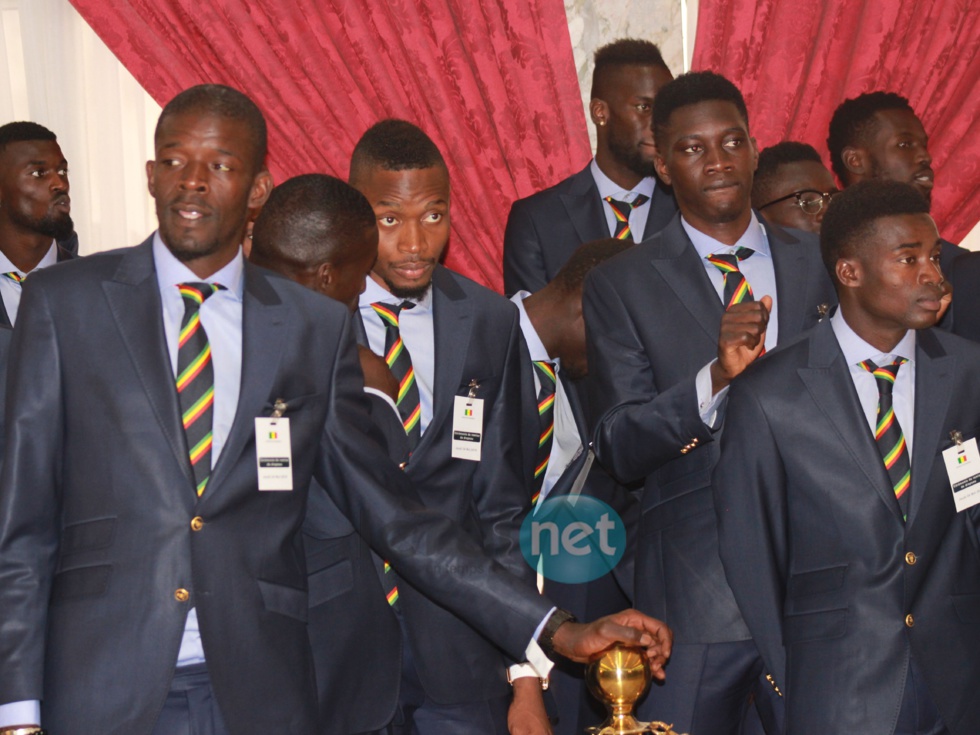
<point>810,201</point>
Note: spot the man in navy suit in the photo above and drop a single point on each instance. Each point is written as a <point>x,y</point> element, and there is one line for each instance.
<point>554,330</point>
<point>35,209</point>
<point>155,583</point>
<point>839,531</point>
<point>669,323</point>
<point>617,194</point>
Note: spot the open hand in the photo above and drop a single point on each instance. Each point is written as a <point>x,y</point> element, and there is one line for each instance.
<point>581,641</point>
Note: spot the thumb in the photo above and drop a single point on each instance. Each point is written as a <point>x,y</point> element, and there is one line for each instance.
<point>766,301</point>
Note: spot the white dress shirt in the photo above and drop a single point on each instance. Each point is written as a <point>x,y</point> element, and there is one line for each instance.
<point>609,188</point>
<point>10,290</point>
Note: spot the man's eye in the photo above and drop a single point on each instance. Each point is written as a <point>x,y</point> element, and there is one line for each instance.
<point>387,221</point>
<point>433,217</point>
<point>63,172</point>
<point>39,173</point>
<point>643,107</point>
<point>224,167</point>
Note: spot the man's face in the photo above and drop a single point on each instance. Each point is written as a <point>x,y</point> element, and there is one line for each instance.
<point>412,210</point>
<point>204,180</point>
<point>347,279</point>
<point>709,158</point>
<point>34,188</point>
<point>629,105</point>
<point>896,275</point>
<point>810,178</point>
<point>899,151</point>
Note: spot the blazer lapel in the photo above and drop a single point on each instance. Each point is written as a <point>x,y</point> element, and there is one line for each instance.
<point>264,332</point>
<point>829,383</point>
<point>451,325</point>
<point>681,268</point>
<point>791,270</point>
<point>933,377</point>
<point>584,207</point>
<point>662,210</point>
<point>134,300</point>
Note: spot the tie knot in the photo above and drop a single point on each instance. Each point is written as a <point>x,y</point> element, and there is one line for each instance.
<point>728,262</point>
<point>14,276</point>
<point>545,370</point>
<point>621,206</point>
<point>195,294</point>
<point>389,312</point>
<point>885,375</point>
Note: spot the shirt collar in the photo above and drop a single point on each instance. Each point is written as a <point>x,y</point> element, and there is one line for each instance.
<point>171,272</point>
<point>754,237</point>
<point>49,259</point>
<point>609,188</point>
<point>857,350</point>
<point>374,292</point>
<point>534,344</point>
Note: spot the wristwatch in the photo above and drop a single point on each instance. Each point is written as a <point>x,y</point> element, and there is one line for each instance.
<point>547,638</point>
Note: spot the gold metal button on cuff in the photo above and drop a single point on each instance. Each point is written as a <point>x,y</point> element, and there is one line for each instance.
<point>182,595</point>
<point>909,620</point>
<point>197,523</point>
<point>910,558</point>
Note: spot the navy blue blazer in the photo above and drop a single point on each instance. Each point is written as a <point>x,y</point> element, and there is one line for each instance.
<point>544,229</point>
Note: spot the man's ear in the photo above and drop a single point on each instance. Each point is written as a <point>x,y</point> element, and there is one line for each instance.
<point>324,277</point>
<point>261,189</point>
<point>848,272</point>
<point>150,165</point>
<point>599,112</point>
<point>661,165</point>
<point>857,162</point>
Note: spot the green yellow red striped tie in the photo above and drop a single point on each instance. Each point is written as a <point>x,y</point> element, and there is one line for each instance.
<point>400,362</point>
<point>195,380</point>
<point>546,418</point>
<point>737,289</point>
<point>888,432</point>
<point>622,212</point>
<point>14,276</point>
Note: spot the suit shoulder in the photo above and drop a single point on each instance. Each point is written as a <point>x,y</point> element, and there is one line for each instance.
<point>66,273</point>
<point>305,299</point>
<point>546,196</point>
<point>486,300</point>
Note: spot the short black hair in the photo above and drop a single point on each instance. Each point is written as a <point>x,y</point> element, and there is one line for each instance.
<point>226,102</point>
<point>770,160</point>
<point>852,214</point>
<point>20,132</point>
<point>693,88</point>
<point>394,145</point>
<point>854,123</point>
<point>620,53</point>
<point>311,219</point>
<point>572,275</point>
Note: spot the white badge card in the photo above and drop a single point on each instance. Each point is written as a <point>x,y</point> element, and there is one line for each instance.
<point>467,428</point>
<point>963,467</point>
<point>274,454</point>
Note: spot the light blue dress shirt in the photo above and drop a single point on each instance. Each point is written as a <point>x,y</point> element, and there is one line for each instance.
<point>609,188</point>
<point>10,290</point>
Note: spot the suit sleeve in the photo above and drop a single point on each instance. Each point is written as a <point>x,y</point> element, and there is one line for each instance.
<point>429,550</point>
<point>523,259</point>
<point>29,498</point>
<point>638,426</point>
<point>750,499</point>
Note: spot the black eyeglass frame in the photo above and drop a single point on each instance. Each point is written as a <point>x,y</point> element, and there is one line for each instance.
<point>825,197</point>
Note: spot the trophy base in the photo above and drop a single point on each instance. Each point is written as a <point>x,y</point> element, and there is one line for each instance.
<point>629,725</point>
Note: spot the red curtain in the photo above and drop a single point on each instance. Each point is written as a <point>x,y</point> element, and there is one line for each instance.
<point>493,84</point>
<point>797,60</point>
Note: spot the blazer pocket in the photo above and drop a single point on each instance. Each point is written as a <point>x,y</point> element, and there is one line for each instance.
<point>331,582</point>
<point>967,607</point>
<point>88,536</point>
<point>814,626</point>
<point>816,581</point>
<point>286,601</point>
<point>80,583</point>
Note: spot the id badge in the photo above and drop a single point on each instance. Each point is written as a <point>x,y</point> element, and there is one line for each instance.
<point>963,467</point>
<point>274,454</point>
<point>467,428</point>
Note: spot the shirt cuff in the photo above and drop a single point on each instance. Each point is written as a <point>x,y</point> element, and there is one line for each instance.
<point>535,655</point>
<point>20,713</point>
<point>522,671</point>
<point>708,404</point>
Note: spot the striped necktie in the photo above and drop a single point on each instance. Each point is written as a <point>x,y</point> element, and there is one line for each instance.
<point>737,289</point>
<point>888,433</point>
<point>195,380</point>
<point>15,277</point>
<point>622,211</point>
<point>400,362</point>
<point>546,419</point>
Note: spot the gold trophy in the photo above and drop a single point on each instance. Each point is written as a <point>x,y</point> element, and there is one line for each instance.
<point>618,677</point>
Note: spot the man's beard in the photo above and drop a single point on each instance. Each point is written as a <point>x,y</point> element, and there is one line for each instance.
<point>408,293</point>
<point>631,157</point>
<point>55,226</point>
